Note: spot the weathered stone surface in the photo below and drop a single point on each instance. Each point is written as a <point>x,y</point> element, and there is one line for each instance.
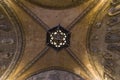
<point>112,37</point>
<point>55,4</point>
<point>10,42</point>
<point>55,75</point>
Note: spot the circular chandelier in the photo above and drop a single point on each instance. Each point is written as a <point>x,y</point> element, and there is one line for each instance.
<point>58,37</point>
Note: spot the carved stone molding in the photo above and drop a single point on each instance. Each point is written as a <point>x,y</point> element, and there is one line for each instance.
<point>55,4</point>
<point>55,75</point>
<point>107,53</point>
<point>11,40</point>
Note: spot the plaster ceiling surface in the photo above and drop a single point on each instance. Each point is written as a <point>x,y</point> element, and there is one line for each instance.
<point>59,40</point>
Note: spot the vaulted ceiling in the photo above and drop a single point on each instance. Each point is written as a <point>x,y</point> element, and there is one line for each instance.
<point>59,40</point>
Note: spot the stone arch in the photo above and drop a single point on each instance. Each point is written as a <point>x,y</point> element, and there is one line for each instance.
<point>55,75</point>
